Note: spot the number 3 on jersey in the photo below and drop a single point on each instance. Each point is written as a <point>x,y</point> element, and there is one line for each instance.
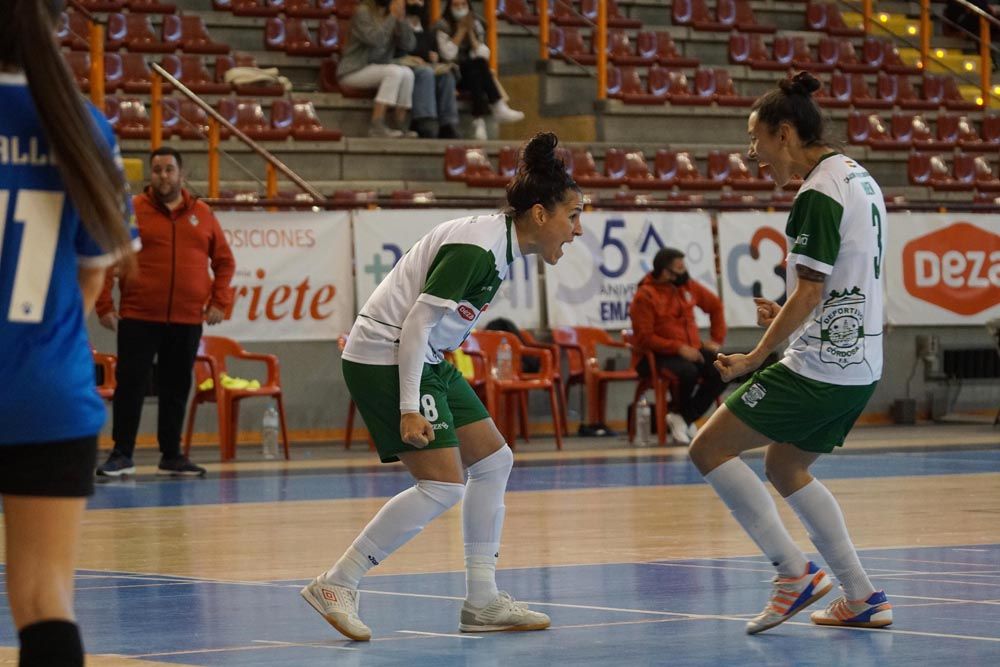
<point>429,408</point>
<point>40,212</point>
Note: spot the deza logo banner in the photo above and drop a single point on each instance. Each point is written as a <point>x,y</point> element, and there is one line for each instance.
<point>293,275</point>
<point>382,237</point>
<point>594,282</point>
<point>752,249</point>
<point>943,269</point>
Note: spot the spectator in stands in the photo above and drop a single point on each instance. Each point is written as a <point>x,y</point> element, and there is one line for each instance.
<point>162,307</point>
<point>663,321</point>
<point>435,107</point>
<point>460,40</point>
<point>967,20</point>
<point>378,30</point>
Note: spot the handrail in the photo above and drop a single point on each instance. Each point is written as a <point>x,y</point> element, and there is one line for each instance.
<point>490,9</point>
<point>986,63</point>
<point>254,146</point>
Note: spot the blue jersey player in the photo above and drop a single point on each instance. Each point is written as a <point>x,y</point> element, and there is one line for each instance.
<point>63,220</point>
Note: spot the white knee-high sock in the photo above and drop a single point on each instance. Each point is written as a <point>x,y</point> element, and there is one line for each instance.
<point>821,515</point>
<point>751,505</point>
<point>396,523</point>
<point>482,523</point>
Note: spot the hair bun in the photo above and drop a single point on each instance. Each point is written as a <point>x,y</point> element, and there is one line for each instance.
<point>802,83</point>
<point>540,153</point>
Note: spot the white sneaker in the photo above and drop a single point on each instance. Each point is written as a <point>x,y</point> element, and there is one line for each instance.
<point>678,428</point>
<point>789,597</point>
<point>504,614</point>
<point>339,606</point>
<point>504,114</point>
<point>692,431</point>
<point>479,129</point>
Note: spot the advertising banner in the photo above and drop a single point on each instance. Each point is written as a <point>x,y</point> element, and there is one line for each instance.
<point>752,251</point>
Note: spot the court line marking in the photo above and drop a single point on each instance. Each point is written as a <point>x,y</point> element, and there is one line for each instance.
<point>439,634</point>
<point>234,649</point>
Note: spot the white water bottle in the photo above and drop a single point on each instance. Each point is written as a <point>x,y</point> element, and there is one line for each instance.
<point>643,419</point>
<point>505,360</point>
<point>269,433</point>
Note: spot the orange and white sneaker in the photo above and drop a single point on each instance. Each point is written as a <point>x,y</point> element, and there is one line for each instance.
<point>339,606</point>
<point>789,597</point>
<point>874,612</point>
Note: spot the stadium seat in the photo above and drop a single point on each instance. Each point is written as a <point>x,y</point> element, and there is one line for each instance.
<point>79,65</point>
<point>479,171</point>
<point>738,174</point>
<point>298,40</point>
<point>990,131</point>
<point>193,74</point>
<point>689,177</point>
<point>310,9</point>
<point>668,55</point>
<point>569,45</point>
<point>745,19</point>
<point>695,13</point>
<point>893,63</point>
<point>257,7</point>
<point>102,5</point>
<point>516,11</point>
<point>615,17</point>
<point>191,120</point>
<point>566,14</point>
<point>306,125</point>
<point>924,139</point>
<point>224,63</point>
<point>637,174</point>
<point>986,178</point>
<point>826,17</point>
<point>135,73</point>
<point>151,7</point>
<point>932,89</point>
<point>140,37</point>
<point>725,90</point>
<point>195,37</point>
<point>455,163</point>
<point>953,99</point>
<point>328,82</point>
<point>586,175</point>
<point>681,93</point>
<point>73,31</point>
<point>657,84</point>
<point>861,96</point>
<point>906,95</point>
<point>621,52</point>
<point>127,116</point>
<point>248,116</point>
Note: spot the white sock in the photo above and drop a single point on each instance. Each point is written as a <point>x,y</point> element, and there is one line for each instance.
<point>482,523</point>
<point>820,514</point>
<point>396,523</point>
<point>751,505</point>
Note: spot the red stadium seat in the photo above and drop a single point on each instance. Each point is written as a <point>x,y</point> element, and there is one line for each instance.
<point>668,55</point>
<point>861,96</point>
<point>906,95</point>
<point>305,124</point>
<point>745,19</point>
<point>257,89</point>
<point>151,7</point>
<point>681,94</point>
<point>79,65</point>
<point>135,73</point>
<point>893,63</point>
<point>256,7</point>
<point>102,5</point>
<point>479,171</point>
<point>933,89</point>
<point>127,116</point>
<point>637,174</point>
<point>299,40</point>
<point>310,9</point>
<point>454,163</point>
<point>192,120</point>
<point>966,135</point>
<point>195,37</point>
<point>725,90</point>
<point>953,99</point>
<point>665,168</point>
<point>73,31</point>
<point>837,94</point>
<point>620,50</point>
<point>923,138</point>
<point>516,11</point>
<point>586,175</point>
<point>990,131</point>
<point>248,116</point>
<point>194,75</point>
<point>140,37</point>
<point>566,14</point>
<point>738,174</point>
<point>689,177</point>
<point>826,17</point>
<point>986,178</point>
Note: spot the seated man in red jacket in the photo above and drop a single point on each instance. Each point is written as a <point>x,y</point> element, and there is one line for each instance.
<point>663,322</point>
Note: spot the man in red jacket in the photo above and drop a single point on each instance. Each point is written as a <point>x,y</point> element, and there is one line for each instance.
<point>163,305</point>
<point>663,322</point>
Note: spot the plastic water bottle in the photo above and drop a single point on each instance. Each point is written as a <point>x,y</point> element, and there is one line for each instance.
<point>505,360</point>
<point>643,419</point>
<point>269,433</point>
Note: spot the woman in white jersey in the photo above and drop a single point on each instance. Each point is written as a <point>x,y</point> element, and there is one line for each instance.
<point>805,404</point>
<point>422,412</point>
<point>63,213</point>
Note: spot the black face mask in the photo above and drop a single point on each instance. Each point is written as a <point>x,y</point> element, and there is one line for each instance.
<point>681,278</point>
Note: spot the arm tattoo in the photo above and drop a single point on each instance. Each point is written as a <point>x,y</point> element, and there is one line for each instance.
<point>805,273</point>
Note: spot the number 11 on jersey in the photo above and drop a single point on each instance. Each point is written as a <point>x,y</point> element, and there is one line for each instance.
<point>40,212</point>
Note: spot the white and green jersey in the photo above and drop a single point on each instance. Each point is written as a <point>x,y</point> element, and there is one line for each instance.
<point>837,227</point>
<point>460,264</point>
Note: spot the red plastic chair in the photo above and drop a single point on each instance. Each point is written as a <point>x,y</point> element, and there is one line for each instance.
<point>596,379</point>
<point>305,124</point>
<point>151,7</point>
<point>517,11</point>
<point>136,77</point>
<point>479,170</point>
<point>140,37</point>
<point>195,37</point>
<point>310,9</point>
<point>211,363</point>
<point>745,19</point>
<point>507,391</point>
<point>585,172</point>
<point>107,364</point>
<point>566,340</point>
<point>689,177</point>
<point>127,116</point>
<point>256,7</point>
<point>663,383</point>
<point>668,55</point>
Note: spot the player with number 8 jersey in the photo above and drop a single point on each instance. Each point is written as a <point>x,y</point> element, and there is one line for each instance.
<point>421,411</point>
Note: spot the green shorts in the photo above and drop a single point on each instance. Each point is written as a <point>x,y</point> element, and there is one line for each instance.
<point>446,401</point>
<point>787,407</point>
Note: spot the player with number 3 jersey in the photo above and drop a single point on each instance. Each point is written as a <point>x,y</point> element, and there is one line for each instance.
<point>805,404</point>
<point>421,411</point>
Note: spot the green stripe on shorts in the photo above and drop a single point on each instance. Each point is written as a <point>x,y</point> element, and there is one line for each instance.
<point>787,407</point>
<point>446,401</point>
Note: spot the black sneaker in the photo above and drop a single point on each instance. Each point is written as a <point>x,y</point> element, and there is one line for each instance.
<point>117,465</point>
<point>179,467</point>
<point>595,431</point>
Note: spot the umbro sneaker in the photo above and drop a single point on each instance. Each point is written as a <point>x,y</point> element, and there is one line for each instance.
<point>504,614</point>
<point>339,606</point>
<point>875,612</point>
<point>789,597</point>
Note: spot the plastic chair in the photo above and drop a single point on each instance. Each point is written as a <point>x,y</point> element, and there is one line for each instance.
<point>663,383</point>
<point>596,379</point>
<point>211,363</point>
<point>506,391</point>
<point>107,363</point>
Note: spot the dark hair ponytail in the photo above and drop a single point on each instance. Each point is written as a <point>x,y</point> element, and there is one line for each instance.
<point>92,179</point>
<point>792,102</point>
<point>541,176</point>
